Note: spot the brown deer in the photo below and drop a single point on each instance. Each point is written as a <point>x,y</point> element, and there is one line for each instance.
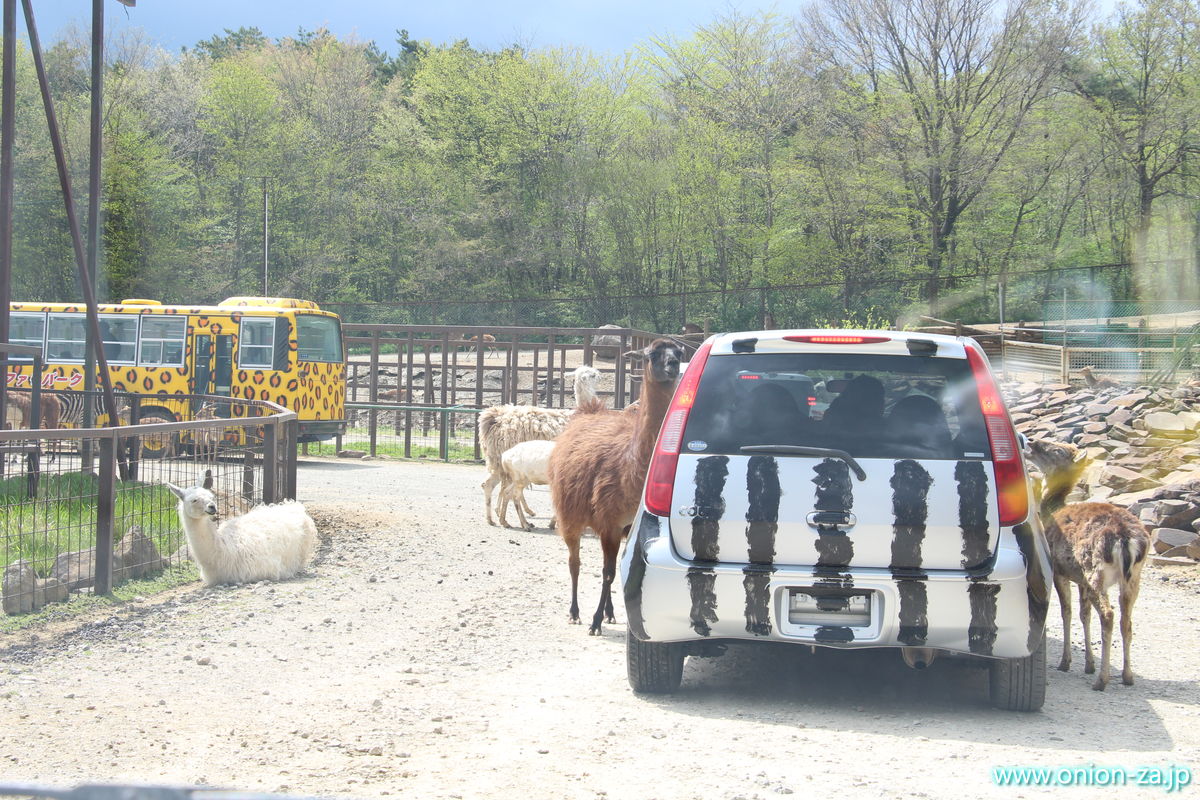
<point>1094,545</point>
<point>488,340</point>
<point>598,468</point>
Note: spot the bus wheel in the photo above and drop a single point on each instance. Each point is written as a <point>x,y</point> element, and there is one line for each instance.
<point>157,445</point>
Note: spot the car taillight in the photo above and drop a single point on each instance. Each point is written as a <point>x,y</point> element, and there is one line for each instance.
<point>1011,490</point>
<point>837,339</point>
<point>660,477</point>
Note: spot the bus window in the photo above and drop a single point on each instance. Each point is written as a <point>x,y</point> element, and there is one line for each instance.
<point>65,339</point>
<point>161,342</point>
<point>318,338</point>
<point>256,345</point>
<point>119,333</point>
<point>27,329</point>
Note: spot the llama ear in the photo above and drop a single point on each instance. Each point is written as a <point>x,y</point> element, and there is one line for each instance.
<point>175,490</point>
<point>208,479</point>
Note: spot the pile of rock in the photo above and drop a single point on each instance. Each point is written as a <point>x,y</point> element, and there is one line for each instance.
<point>1143,448</point>
<point>22,590</point>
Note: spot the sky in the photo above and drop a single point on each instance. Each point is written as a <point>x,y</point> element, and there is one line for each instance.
<point>601,25</point>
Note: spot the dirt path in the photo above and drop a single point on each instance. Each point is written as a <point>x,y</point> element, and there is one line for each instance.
<point>427,654</point>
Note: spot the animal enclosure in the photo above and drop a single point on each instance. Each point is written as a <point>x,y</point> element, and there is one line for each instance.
<point>86,509</point>
<point>416,391</point>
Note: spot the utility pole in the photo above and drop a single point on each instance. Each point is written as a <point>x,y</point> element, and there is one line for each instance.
<point>266,233</point>
<point>7,137</point>
<point>95,147</point>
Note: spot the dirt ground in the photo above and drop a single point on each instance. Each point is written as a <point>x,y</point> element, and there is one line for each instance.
<point>427,654</point>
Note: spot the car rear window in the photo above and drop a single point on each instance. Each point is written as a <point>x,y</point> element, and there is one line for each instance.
<point>871,406</point>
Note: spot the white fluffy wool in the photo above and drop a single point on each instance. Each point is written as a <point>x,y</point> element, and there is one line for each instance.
<point>269,542</point>
<point>522,465</point>
<point>503,427</point>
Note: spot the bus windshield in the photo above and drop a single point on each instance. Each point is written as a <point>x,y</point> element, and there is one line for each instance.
<point>318,338</point>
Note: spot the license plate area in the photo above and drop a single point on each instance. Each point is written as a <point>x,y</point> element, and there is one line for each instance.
<point>814,606</point>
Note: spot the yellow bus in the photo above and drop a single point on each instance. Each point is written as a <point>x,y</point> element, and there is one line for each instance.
<point>256,348</point>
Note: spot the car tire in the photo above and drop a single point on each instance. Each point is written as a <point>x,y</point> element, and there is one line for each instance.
<point>653,667</point>
<point>1019,684</point>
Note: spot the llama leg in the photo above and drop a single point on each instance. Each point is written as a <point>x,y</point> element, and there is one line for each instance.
<point>609,544</point>
<point>525,526</point>
<point>572,540</point>
<point>488,485</point>
<point>502,505</point>
<point>1062,585</point>
<point>524,502</point>
<point>1104,608</point>
<point>1086,602</point>
<point>1129,593</point>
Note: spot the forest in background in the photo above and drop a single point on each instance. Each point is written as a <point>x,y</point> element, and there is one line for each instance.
<point>862,160</point>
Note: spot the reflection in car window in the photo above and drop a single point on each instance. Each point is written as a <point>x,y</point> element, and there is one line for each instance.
<point>872,406</point>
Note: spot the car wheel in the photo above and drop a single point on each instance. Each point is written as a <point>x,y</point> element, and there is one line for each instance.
<point>1019,684</point>
<point>653,667</point>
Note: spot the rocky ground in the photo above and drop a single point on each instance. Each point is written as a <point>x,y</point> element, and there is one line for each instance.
<point>427,654</point>
<point>1142,449</point>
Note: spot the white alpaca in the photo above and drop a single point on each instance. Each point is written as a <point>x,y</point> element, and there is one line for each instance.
<point>502,427</point>
<point>266,543</point>
<point>522,465</point>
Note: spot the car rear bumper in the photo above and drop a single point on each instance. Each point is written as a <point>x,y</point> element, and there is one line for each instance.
<point>1000,613</point>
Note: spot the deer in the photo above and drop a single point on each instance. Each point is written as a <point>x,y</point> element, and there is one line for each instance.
<point>1095,546</point>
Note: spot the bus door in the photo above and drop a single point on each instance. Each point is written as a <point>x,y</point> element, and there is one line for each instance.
<point>213,367</point>
<point>202,353</point>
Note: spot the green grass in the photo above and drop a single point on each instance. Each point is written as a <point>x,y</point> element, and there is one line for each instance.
<point>63,517</point>
<point>387,443</point>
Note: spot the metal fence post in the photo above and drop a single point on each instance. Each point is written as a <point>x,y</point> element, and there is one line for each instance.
<point>105,505</point>
<point>270,463</point>
<point>248,476</point>
<point>289,466</point>
<point>373,414</point>
<point>444,436</point>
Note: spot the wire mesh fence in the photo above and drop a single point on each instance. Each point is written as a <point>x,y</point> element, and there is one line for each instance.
<point>88,509</point>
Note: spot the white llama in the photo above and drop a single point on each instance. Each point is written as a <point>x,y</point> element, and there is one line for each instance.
<point>266,543</point>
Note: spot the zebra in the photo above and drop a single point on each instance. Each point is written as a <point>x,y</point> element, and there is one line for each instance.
<point>72,405</point>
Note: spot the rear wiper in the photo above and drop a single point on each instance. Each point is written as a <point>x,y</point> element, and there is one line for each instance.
<point>800,450</point>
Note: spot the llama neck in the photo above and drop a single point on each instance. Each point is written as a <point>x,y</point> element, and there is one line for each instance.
<point>202,538</point>
<point>655,402</point>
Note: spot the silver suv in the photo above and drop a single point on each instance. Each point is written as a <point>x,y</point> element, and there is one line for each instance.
<point>846,489</point>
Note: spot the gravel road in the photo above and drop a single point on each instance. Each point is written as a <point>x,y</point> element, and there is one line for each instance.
<point>428,654</point>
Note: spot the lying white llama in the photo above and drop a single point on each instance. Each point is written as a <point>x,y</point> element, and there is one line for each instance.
<point>266,543</point>
<point>502,427</point>
<point>522,465</point>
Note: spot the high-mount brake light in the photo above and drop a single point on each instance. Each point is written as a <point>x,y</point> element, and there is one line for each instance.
<point>1012,493</point>
<point>834,339</point>
<point>660,477</point>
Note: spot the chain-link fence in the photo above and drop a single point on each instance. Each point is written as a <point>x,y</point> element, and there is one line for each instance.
<point>69,527</point>
<point>1095,292</point>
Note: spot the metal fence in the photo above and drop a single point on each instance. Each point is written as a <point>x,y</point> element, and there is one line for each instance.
<point>68,527</point>
<point>1040,361</point>
<point>415,391</point>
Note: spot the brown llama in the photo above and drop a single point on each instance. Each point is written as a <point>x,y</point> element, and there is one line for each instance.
<point>1094,545</point>
<point>598,468</point>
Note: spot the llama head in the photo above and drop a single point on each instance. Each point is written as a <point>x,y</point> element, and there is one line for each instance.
<point>663,359</point>
<point>587,375</point>
<point>196,502</point>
